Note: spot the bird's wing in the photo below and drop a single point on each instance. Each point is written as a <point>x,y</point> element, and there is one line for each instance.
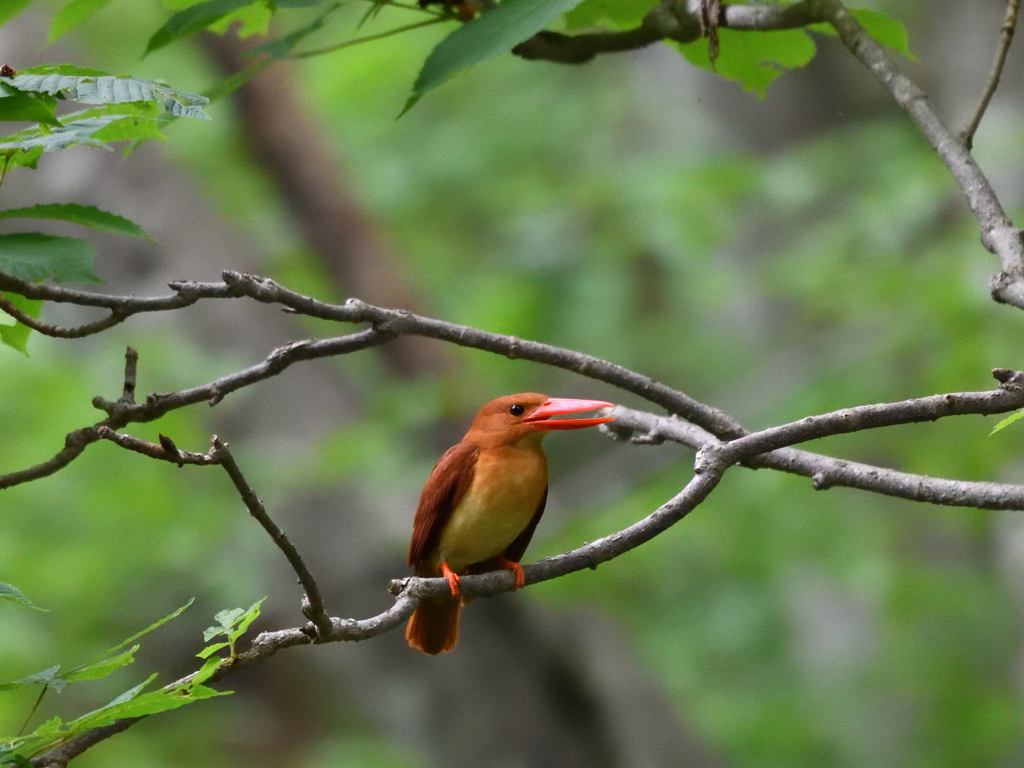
<point>447,483</point>
<point>517,548</point>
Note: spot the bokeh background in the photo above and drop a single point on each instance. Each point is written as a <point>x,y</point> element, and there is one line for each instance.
<point>774,258</point>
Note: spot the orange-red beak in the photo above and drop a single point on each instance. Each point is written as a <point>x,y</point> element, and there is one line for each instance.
<point>541,419</point>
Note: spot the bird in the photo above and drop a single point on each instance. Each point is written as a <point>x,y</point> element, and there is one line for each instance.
<point>482,502</point>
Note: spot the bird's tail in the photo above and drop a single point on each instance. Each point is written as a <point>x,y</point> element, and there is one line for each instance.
<point>434,627</point>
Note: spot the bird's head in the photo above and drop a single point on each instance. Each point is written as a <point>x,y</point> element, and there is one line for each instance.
<point>513,418</point>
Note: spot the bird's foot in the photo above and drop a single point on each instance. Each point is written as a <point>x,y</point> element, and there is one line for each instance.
<point>453,579</point>
<point>516,568</point>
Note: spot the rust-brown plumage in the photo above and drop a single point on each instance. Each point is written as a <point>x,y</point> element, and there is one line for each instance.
<point>482,502</point>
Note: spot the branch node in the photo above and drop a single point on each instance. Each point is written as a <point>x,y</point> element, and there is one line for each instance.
<point>820,481</point>
<point>398,586</point>
<point>1008,378</point>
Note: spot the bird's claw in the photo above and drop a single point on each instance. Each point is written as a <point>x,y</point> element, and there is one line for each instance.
<point>516,568</point>
<point>453,579</point>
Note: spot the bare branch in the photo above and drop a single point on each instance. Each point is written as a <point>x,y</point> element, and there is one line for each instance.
<point>55,330</point>
<point>998,234</point>
<point>123,412</point>
<point>1003,48</point>
<point>670,20</point>
<point>825,471</point>
<point>313,604</point>
<point>166,451</point>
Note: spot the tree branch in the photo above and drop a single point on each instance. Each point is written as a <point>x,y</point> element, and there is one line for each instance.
<point>312,603</point>
<point>669,20</point>
<point>825,471</point>
<point>1003,48</point>
<point>998,234</point>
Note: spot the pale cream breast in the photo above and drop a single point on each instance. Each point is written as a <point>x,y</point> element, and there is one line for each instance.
<point>506,489</point>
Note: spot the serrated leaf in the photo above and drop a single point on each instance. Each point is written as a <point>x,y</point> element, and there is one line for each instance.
<point>101,669</point>
<point>111,89</point>
<point>86,215</point>
<point>206,671</point>
<point>488,35</point>
<point>21,106</point>
<point>192,20</point>
<point>226,618</point>
<point>64,69</point>
<point>11,8</point>
<point>78,131</point>
<point>9,591</point>
<point>211,649</point>
<point>73,14</point>
<point>140,705</point>
<point>47,677</point>
<point>753,59</point>
<point>32,256</point>
<point>16,336</point>
<point>27,158</point>
<point>246,619</point>
<point>1007,422</point>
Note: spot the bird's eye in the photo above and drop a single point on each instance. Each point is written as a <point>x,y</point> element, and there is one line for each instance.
<point>517,410</point>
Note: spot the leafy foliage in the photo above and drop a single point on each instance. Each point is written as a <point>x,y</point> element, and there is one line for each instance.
<point>491,33</point>
<point>86,215</point>
<point>131,703</point>
<point>15,335</point>
<point>232,624</point>
<point>33,256</point>
<point>93,87</point>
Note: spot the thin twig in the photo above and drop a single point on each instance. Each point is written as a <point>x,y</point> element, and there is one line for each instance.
<point>55,330</point>
<point>313,607</point>
<point>1003,48</point>
<point>368,38</point>
<point>825,471</point>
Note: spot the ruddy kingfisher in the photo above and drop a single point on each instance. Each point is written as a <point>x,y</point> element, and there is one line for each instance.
<point>482,503</point>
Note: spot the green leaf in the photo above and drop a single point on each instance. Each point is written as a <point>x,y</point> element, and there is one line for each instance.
<point>616,14</point>
<point>192,20</point>
<point>101,669</point>
<point>211,649</point>
<point>255,20</point>
<point>23,157</point>
<point>111,89</point>
<point>16,336</point>
<point>206,671</point>
<point>77,131</point>
<point>135,704</point>
<point>11,8</point>
<point>73,14</point>
<point>883,29</point>
<point>245,620</point>
<point>63,69</point>
<point>17,105</point>
<point>488,35</point>
<point>9,591</point>
<point>47,677</point>
<point>1007,422</point>
<point>33,256</point>
<point>86,215</point>
<point>753,59</point>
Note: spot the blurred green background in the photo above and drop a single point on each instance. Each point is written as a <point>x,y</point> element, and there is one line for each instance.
<point>774,258</point>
